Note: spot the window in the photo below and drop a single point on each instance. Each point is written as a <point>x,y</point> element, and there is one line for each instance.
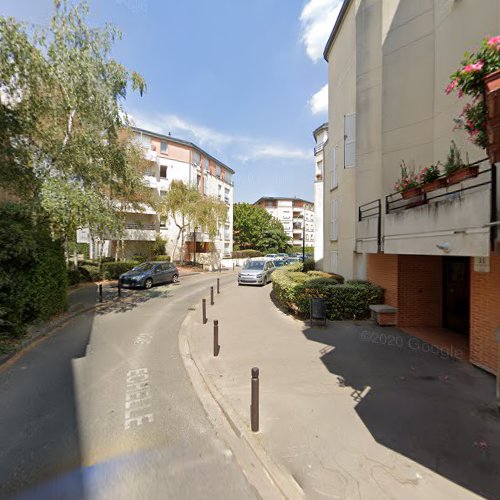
<point>349,140</point>
<point>163,193</point>
<point>163,222</point>
<point>333,222</point>
<point>334,265</point>
<point>335,168</point>
<point>163,172</point>
<point>205,164</point>
<point>198,181</point>
<point>196,158</point>
<point>163,147</point>
<point>146,141</point>
<point>218,171</point>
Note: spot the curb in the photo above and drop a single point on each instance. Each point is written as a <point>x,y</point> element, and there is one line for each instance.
<point>268,478</point>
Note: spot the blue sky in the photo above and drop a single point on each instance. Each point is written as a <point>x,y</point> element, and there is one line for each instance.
<point>245,80</point>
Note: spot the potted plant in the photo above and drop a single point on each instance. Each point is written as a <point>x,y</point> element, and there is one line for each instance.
<point>479,78</point>
<point>408,184</point>
<point>455,168</point>
<point>430,178</point>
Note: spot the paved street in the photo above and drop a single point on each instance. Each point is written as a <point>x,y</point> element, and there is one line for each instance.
<point>354,410</point>
<point>103,408</point>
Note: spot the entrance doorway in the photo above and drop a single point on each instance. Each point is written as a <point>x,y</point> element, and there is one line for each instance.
<point>456,294</point>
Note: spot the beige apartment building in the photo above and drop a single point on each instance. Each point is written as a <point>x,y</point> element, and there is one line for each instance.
<point>389,62</point>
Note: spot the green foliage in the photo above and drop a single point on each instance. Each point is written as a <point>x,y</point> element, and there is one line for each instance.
<point>163,258</point>
<point>246,254</point>
<point>254,227</point>
<point>298,249</point>
<point>139,258</point>
<point>33,277</point>
<point>454,160</point>
<point>309,265</point>
<point>343,301</point>
<point>90,272</point>
<point>113,270</point>
<point>73,276</point>
<point>158,246</point>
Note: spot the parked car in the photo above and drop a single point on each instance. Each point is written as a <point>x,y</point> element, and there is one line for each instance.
<point>280,262</point>
<point>148,274</point>
<point>283,256</point>
<point>271,256</point>
<point>292,260</point>
<point>256,272</point>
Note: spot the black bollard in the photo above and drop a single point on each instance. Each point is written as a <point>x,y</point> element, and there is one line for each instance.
<point>254,407</point>
<point>216,337</point>
<point>100,292</point>
<point>211,295</point>
<point>204,310</point>
<point>218,286</point>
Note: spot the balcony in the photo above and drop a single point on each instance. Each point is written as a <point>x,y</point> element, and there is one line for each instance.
<point>140,232</point>
<point>319,147</point>
<point>227,200</point>
<point>455,220</point>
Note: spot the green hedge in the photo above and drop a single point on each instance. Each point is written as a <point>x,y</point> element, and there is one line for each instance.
<point>33,276</point>
<point>112,270</point>
<point>246,254</point>
<point>163,258</point>
<point>309,265</point>
<point>343,301</point>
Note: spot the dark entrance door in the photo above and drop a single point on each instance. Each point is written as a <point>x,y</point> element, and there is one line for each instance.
<point>456,294</point>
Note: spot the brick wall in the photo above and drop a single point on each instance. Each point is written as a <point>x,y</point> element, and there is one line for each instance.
<point>485,315</point>
<point>382,269</point>
<point>420,292</point>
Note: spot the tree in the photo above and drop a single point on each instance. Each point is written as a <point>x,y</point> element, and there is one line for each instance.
<point>255,228</point>
<point>64,146</point>
<point>189,208</point>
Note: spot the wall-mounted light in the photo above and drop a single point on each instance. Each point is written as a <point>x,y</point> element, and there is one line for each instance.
<point>445,247</point>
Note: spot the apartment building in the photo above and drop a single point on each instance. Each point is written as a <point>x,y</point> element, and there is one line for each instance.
<point>170,158</point>
<point>296,215</point>
<point>438,259</point>
<point>321,137</point>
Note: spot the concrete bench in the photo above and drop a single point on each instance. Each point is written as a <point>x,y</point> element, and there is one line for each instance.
<point>383,314</point>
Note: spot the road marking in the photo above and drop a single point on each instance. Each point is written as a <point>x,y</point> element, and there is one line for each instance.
<point>143,338</point>
<point>137,399</point>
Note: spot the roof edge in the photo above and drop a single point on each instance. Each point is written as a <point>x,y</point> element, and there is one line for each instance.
<point>323,126</point>
<point>336,28</point>
<point>278,198</point>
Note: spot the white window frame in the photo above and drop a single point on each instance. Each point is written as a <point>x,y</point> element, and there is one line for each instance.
<point>334,181</point>
<point>333,221</point>
<point>164,143</point>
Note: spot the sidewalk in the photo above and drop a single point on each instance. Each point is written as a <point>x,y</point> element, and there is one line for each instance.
<point>352,410</point>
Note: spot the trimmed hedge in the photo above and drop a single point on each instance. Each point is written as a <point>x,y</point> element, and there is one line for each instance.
<point>246,254</point>
<point>309,265</point>
<point>163,258</point>
<point>33,276</point>
<point>343,301</point>
<point>113,270</point>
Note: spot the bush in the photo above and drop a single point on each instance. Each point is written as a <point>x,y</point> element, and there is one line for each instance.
<point>73,276</point>
<point>33,275</point>
<point>158,247</point>
<point>246,254</point>
<point>294,290</point>
<point>163,258</point>
<point>113,270</point>
<point>90,272</point>
<point>309,265</point>
<point>139,258</point>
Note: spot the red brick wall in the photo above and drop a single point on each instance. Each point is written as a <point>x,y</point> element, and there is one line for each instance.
<point>420,279</point>
<point>485,314</point>
<point>382,269</point>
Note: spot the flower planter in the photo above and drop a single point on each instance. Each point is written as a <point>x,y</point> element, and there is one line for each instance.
<point>492,97</point>
<point>435,184</point>
<point>411,193</point>
<point>462,174</point>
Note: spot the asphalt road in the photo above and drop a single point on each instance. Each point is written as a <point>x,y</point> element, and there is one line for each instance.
<point>103,408</point>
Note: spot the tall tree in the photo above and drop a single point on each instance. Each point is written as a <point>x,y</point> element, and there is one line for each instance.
<point>63,140</point>
<point>254,227</point>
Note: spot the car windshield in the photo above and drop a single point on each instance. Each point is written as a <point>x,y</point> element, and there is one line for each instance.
<point>279,263</point>
<point>254,264</point>
<point>146,266</point>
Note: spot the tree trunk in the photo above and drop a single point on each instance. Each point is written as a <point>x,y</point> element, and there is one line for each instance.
<point>66,249</point>
<point>75,253</point>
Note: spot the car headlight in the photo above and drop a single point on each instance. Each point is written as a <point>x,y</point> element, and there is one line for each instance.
<point>259,276</point>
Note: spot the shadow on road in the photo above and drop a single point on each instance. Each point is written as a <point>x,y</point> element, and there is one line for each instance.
<point>417,401</point>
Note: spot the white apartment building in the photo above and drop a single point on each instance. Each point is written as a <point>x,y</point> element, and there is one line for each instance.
<point>170,159</point>
<point>296,215</point>
<point>321,137</point>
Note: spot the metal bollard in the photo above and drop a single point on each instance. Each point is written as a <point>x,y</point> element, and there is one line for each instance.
<point>233,266</point>
<point>216,337</point>
<point>254,406</point>
<point>211,295</point>
<point>100,292</point>
<point>204,310</point>
<point>218,286</point>
<point>119,288</point>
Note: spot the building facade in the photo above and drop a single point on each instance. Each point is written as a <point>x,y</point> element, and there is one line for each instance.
<point>438,258</point>
<point>170,158</point>
<point>321,137</point>
<point>296,215</point>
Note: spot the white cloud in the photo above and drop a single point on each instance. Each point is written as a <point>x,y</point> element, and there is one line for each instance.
<point>318,18</point>
<point>319,101</point>
<point>240,147</point>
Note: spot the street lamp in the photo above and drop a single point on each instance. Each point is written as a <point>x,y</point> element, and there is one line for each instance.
<point>303,235</point>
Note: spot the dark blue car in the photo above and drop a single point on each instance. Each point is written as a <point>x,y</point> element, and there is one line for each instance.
<point>148,274</point>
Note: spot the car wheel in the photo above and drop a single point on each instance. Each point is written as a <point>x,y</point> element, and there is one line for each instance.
<point>175,278</point>
<point>148,283</point>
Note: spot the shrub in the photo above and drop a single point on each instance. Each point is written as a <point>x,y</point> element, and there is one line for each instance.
<point>158,247</point>
<point>246,254</point>
<point>343,301</point>
<point>296,266</point>
<point>90,272</point>
<point>139,258</point>
<point>321,274</point>
<point>163,258</point>
<point>113,270</point>
<point>73,276</point>
<point>309,265</point>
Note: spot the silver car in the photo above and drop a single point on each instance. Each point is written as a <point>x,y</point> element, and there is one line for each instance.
<point>256,272</point>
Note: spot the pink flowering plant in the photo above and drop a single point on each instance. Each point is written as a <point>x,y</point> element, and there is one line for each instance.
<point>469,80</point>
<point>408,179</point>
<point>429,174</point>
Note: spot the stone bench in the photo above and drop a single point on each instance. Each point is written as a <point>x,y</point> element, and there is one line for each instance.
<point>383,314</point>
